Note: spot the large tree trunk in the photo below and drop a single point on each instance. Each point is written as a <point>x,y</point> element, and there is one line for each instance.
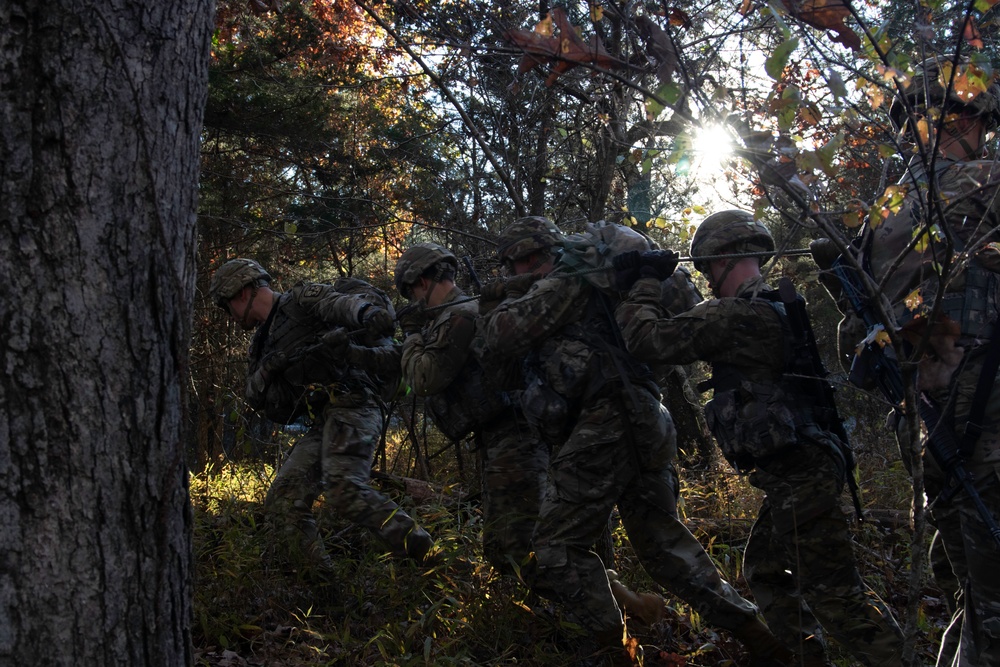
<point>100,113</point>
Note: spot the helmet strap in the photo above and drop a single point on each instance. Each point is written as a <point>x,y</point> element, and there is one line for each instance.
<point>715,286</point>
<point>246,311</point>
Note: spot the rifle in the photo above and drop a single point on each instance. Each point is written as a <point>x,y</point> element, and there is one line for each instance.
<point>873,362</point>
<point>808,365</point>
<point>467,261</point>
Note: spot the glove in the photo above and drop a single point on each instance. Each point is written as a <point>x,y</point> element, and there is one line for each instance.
<point>336,340</point>
<point>658,264</point>
<point>824,253</point>
<point>678,293</point>
<point>274,363</point>
<point>518,285</point>
<point>378,321</point>
<point>626,269</point>
<point>412,318</point>
<point>491,295</point>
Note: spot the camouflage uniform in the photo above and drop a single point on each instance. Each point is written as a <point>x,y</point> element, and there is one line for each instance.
<point>462,396</point>
<point>798,560</point>
<point>613,443</point>
<point>340,391</point>
<point>969,192</point>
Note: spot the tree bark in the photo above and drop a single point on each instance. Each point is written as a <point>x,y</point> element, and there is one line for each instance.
<point>101,106</point>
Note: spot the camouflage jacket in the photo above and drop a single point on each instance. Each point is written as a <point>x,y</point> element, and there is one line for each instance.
<point>297,321</point>
<point>756,410</point>
<point>565,331</point>
<point>440,364</point>
<point>898,256</point>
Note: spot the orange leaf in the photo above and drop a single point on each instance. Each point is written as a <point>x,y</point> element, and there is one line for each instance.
<point>970,33</point>
<point>828,15</point>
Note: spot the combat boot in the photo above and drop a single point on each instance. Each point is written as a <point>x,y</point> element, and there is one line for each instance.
<point>763,647</point>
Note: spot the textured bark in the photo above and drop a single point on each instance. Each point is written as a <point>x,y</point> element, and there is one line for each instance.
<point>100,112</point>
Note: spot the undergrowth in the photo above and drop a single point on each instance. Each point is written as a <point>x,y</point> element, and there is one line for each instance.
<point>255,606</point>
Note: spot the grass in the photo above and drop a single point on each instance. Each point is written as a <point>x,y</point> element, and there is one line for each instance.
<point>254,606</point>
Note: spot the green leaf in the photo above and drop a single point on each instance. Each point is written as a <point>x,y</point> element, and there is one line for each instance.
<point>291,228</point>
<point>775,64</point>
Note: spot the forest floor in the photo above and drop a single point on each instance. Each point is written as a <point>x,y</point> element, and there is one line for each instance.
<point>252,607</point>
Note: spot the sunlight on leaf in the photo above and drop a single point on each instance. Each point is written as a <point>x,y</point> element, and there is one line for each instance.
<point>545,27</point>
<point>913,300</point>
<point>596,13</point>
<point>852,219</point>
<point>776,63</point>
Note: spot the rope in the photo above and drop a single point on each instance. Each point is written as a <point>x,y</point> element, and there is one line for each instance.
<point>794,252</point>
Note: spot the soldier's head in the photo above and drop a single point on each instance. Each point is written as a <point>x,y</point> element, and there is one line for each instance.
<point>731,232</point>
<point>958,94</point>
<point>235,287</point>
<point>529,245</point>
<point>421,268</point>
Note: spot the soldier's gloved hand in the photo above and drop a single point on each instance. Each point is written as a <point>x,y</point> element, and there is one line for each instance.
<point>518,285</point>
<point>336,340</point>
<point>491,295</point>
<point>678,293</point>
<point>378,321</point>
<point>824,252</point>
<point>626,269</point>
<point>274,363</point>
<point>659,264</point>
<point>412,318</point>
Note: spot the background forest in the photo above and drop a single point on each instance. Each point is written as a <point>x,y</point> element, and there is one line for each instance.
<point>338,133</point>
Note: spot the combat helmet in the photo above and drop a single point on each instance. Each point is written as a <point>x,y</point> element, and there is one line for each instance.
<point>415,261</point>
<point>724,231</point>
<point>233,276</point>
<point>931,79</point>
<point>527,235</point>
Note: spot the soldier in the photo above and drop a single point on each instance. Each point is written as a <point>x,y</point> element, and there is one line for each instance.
<point>937,259</point>
<point>308,358</point>
<point>463,395</point>
<point>613,443</point>
<point>798,560</point>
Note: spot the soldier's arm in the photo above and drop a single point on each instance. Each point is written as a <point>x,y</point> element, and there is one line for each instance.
<point>332,307</point>
<point>517,325</point>
<point>650,334</point>
<point>381,359</point>
<point>433,358</point>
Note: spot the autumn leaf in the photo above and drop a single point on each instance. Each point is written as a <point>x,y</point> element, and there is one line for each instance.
<point>913,300</point>
<point>746,7</point>
<point>827,15</point>
<point>565,48</point>
<point>970,33</point>
<point>659,47</point>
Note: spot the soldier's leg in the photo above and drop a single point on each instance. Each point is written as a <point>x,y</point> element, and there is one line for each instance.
<point>673,557</point>
<point>967,539</point>
<point>514,476</point>
<point>810,530</point>
<point>980,600</point>
<point>776,593</point>
<point>291,496</point>
<point>588,474</point>
<point>350,436</point>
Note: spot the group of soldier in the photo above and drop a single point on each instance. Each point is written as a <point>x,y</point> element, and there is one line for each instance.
<point>549,370</point>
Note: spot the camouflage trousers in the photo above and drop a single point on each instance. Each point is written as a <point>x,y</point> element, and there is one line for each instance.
<point>334,458</point>
<point>974,557</point>
<point>621,453</point>
<point>800,563</point>
<point>514,467</point>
